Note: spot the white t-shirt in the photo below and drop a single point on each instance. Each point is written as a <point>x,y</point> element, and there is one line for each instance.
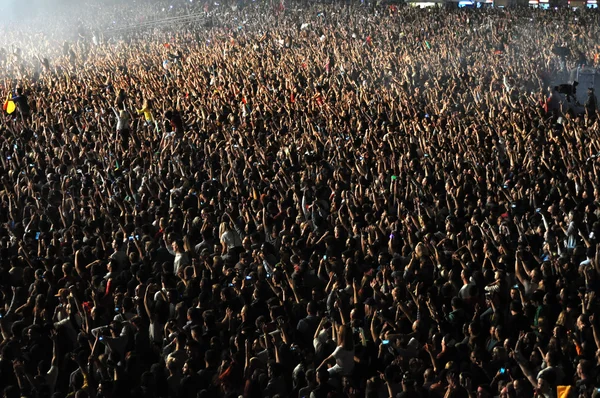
<point>231,239</point>
<point>344,361</point>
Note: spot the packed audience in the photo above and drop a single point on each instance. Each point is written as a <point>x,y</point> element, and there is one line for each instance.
<point>299,200</point>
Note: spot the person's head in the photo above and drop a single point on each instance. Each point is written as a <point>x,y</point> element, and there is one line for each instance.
<point>311,377</point>
<point>311,308</point>
<point>177,246</point>
<point>189,367</point>
<point>584,368</point>
<point>499,353</point>
<point>322,376</point>
<point>582,322</point>
<point>544,384</point>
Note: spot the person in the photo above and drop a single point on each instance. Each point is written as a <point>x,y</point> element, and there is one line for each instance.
<point>21,101</point>
<point>123,120</point>
<point>343,355</point>
<point>146,110</point>
<point>230,240</point>
<point>181,257</point>
<point>323,389</point>
<point>591,103</point>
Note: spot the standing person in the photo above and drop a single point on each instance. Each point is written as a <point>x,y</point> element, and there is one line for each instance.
<point>591,104</point>
<point>181,257</point>
<point>22,103</point>
<point>147,107</point>
<point>123,132</point>
<point>175,121</point>
<point>230,239</point>
<point>552,104</point>
<point>343,354</point>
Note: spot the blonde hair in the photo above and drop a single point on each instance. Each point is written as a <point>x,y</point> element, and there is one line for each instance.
<point>224,227</point>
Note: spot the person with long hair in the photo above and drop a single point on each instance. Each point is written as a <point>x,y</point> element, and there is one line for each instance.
<point>343,355</point>
<point>230,239</point>
<point>147,108</point>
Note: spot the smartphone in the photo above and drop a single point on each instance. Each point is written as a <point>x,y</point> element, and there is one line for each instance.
<point>117,309</point>
<point>137,237</point>
<point>325,257</point>
<point>231,285</point>
<point>538,210</point>
<point>8,157</point>
<point>248,278</point>
<point>131,238</point>
<point>37,236</point>
<point>268,275</point>
<point>385,342</point>
<point>101,338</point>
<point>516,287</point>
<point>505,186</point>
<point>502,370</point>
<point>513,205</point>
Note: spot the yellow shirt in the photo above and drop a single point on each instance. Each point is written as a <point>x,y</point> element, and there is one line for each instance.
<point>147,114</point>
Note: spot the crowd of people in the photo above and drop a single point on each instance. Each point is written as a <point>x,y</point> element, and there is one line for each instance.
<point>299,200</point>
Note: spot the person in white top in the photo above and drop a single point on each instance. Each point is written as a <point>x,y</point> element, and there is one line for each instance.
<point>181,257</point>
<point>229,237</point>
<point>343,354</point>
